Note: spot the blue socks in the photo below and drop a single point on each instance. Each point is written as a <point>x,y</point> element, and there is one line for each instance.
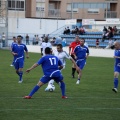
<point>62,86</point>
<point>115,82</point>
<point>20,75</point>
<point>35,89</point>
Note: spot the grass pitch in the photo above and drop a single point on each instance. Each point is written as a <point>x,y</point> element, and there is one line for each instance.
<point>92,99</point>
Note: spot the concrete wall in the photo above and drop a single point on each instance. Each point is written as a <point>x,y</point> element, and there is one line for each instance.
<point>33,26</point>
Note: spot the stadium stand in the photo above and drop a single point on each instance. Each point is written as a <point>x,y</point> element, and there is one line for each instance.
<point>90,38</point>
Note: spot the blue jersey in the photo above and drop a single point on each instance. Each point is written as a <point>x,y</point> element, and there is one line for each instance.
<point>80,52</point>
<point>50,65</point>
<point>19,49</point>
<point>117,60</point>
<point>13,43</point>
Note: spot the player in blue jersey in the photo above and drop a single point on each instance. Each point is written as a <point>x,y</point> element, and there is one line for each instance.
<point>18,52</point>
<point>116,65</point>
<point>51,66</point>
<point>62,55</point>
<point>81,53</point>
<point>14,42</point>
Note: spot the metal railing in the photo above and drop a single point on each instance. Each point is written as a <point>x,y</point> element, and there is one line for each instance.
<point>54,13</point>
<point>110,14</point>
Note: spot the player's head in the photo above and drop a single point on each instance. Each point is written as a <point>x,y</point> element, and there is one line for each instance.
<point>19,38</point>
<point>77,38</point>
<point>47,50</point>
<point>14,38</point>
<point>82,41</point>
<point>59,47</point>
<point>117,45</point>
<point>46,39</point>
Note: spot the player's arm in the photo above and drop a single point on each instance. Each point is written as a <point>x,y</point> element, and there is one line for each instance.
<point>27,54</point>
<point>26,50</point>
<point>73,61</point>
<point>41,51</point>
<point>32,67</point>
<point>60,65</point>
<point>12,51</point>
<point>69,50</point>
<point>35,65</point>
<point>87,54</point>
<point>117,57</point>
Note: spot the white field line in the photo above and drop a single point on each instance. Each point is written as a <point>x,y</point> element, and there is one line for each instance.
<point>53,109</point>
<point>102,98</point>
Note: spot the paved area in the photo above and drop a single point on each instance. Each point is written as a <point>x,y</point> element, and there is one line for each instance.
<point>93,51</point>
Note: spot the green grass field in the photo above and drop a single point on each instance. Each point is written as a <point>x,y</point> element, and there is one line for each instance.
<point>92,99</point>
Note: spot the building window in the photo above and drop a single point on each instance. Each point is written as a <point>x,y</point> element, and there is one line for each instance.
<point>82,5</point>
<point>69,8</point>
<point>75,5</point>
<point>93,5</point>
<point>93,11</point>
<point>40,6</point>
<point>86,5</point>
<point>16,5</point>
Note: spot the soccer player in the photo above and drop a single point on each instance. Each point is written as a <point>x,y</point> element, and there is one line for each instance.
<point>14,42</point>
<point>81,53</point>
<point>71,49</point>
<point>18,52</point>
<point>51,66</point>
<point>44,45</point>
<point>62,55</point>
<point>116,65</point>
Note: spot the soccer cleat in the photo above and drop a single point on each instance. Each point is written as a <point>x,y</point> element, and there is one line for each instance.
<point>46,89</point>
<point>78,82</point>
<point>115,90</point>
<point>20,81</point>
<point>27,97</point>
<point>11,65</point>
<point>64,97</point>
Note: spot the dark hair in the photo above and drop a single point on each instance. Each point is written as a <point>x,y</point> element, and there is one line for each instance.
<point>83,39</point>
<point>14,37</point>
<point>59,45</point>
<point>46,39</point>
<point>19,36</point>
<point>47,50</point>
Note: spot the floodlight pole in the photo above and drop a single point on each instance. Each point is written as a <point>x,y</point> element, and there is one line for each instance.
<point>72,9</point>
<point>106,9</point>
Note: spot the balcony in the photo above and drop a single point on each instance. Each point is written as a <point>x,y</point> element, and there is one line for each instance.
<point>112,1</point>
<point>55,0</point>
<point>54,13</point>
<point>110,14</point>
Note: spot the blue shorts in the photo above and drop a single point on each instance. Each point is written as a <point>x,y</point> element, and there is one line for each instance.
<point>46,79</point>
<point>19,64</point>
<point>116,69</point>
<point>81,63</point>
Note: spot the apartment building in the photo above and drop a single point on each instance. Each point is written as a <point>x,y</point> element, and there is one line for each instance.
<point>76,9</point>
<point>65,9</point>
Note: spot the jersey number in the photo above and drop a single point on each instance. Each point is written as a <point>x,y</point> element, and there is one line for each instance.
<point>52,61</point>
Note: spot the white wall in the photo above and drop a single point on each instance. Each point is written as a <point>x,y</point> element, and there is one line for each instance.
<point>100,24</point>
<point>33,26</point>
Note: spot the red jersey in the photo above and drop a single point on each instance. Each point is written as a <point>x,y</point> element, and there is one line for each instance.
<point>73,45</point>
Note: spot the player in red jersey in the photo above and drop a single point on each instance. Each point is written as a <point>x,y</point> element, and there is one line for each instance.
<point>71,49</point>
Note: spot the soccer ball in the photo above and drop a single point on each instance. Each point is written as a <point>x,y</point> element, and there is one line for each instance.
<point>50,88</point>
